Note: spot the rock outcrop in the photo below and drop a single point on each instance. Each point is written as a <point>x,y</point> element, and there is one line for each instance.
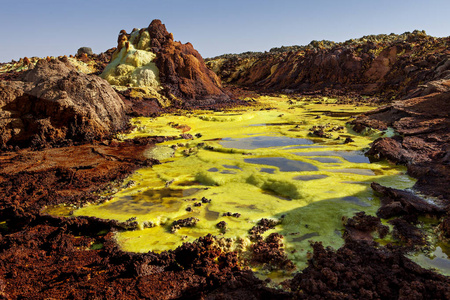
<point>52,104</point>
<point>422,136</point>
<point>391,66</point>
<point>151,63</point>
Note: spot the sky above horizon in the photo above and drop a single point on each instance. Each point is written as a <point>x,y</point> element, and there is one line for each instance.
<point>52,28</point>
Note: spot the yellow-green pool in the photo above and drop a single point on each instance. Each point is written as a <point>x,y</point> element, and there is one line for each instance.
<point>261,162</point>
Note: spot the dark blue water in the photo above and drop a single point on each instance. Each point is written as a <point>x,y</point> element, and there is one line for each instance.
<point>284,164</point>
<point>256,142</point>
<point>351,156</point>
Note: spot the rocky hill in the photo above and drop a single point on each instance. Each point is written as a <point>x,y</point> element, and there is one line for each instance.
<point>389,65</point>
<point>54,104</point>
<point>56,101</point>
<point>151,64</point>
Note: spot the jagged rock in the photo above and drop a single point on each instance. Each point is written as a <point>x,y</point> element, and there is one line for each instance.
<point>361,270</point>
<point>52,103</point>
<point>361,227</point>
<point>421,142</point>
<point>396,202</point>
<point>255,233</point>
<point>270,253</point>
<point>188,222</point>
<point>408,233</point>
<point>392,65</point>
<point>169,71</point>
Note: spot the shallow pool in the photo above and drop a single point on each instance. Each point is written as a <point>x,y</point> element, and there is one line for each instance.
<point>258,162</point>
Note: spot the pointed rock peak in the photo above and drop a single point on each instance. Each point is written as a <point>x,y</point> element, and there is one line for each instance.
<point>159,34</point>
<point>149,59</point>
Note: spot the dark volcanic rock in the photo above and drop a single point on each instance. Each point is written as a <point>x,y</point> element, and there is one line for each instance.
<point>270,254</point>
<point>32,180</point>
<point>396,202</point>
<point>361,227</point>
<point>422,140</point>
<point>53,103</point>
<point>255,233</point>
<point>408,233</point>
<point>360,270</point>
<point>188,222</point>
<point>52,262</point>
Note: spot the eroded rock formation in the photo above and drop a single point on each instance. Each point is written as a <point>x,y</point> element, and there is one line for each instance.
<point>360,270</point>
<point>175,73</point>
<point>389,65</point>
<point>54,104</point>
<point>422,137</point>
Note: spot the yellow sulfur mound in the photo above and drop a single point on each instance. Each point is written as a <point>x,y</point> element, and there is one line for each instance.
<point>133,66</point>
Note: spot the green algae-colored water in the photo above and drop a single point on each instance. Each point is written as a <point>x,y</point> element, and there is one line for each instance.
<point>260,162</point>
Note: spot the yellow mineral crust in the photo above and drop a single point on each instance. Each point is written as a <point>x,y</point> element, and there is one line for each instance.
<point>133,66</point>
<point>259,163</point>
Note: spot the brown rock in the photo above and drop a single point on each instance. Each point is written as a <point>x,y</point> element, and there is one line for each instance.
<point>182,70</point>
<point>393,66</point>
<point>53,103</point>
<point>361,270</point>
<point>381,66</point>
<point>31,180</point>
<point>422,141</point>
<point>361,226</point>
<point>408,233</point>
<point>270,253</point>
<point>396,202</point>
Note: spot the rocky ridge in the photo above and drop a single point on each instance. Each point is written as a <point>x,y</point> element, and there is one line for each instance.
<point>388,66</point>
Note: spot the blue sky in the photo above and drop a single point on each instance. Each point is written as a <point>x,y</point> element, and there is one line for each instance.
<point>51,28</point>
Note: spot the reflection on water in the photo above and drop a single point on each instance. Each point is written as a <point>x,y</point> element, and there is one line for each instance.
<point>263,142</point>
<point>365,172</point>
<point>351,156</point>
<point>164,200</point>
<point>440,261</point>
<point>211,215</point>
<point>284,164</point>
<point>227,172</point>
<point>242,168</point>
<point>356,201</point>
<point>267,170</point>
<point>309,177</point>
<point>305,237</point>
<point>231,167</point>
<point>327,160</point>
<point>274,124</point>
<point>158,194</point>
<point>139,205</point>
<point>337,114</point>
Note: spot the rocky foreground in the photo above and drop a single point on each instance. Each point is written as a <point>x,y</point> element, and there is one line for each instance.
<point>57,146</point>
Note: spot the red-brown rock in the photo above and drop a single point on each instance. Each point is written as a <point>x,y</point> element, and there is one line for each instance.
<point>53,103</point>
<point>391,66</point>
<point>182,71</point>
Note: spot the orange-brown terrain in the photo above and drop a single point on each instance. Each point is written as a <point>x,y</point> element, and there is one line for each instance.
<point>57,144</point>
